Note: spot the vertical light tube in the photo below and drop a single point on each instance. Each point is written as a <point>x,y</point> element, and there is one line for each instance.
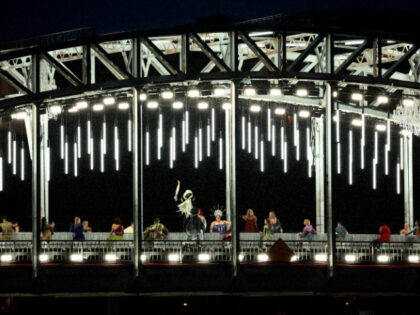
<point>187,127</point>
<point>338,157</point>
<point>376,147</point>
<point>129,126</point>
<point>285,157</point>
<point>9,147</point>
<point>183,135</point>
<point>48,158</point>
<point>294,128</point>
<point>173,143</point>
<point>116,148</point>
<point>249,136</point>
<point>200,143</point>
<point>401,153</point>
<point>171,152</point>
<point>102,156</point>
<point>104,136</point>
<point>297,145</point>
<point>388,134</point>
<point>221,153</point>
<point>14,157</point>
<point>374,174</point>
<point>147,148</point>
<point>62,140</point>
<point>282,141</point>
<point>350,157</point>
<point>268,124</point>
<point>243,132</point>
<point>398,178</point>
<point>88,135</point>
<point>75,157</point>
<point>308,152</point>
<point>262,154</point>
<point>362,144</point>
<point>22,162</point>
<point>256,141</point>
<point>195,152</point>
<point>158,143</point>
<point>213,128</point>
<point>79,141</point>
<point>160,135</point>
<point>1,173</point>
<point>386,160</point>
<point>208,140</point>
<point>337,126</point>
<point>91,153</point>
<point>66,157</point>
<point>117,160</point>
<point>273,140</point>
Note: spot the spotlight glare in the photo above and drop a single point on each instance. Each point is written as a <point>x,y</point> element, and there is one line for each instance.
<point>383,258</point>
<point>294,258</point>
<point>380,127</point>
<point>19,115</point>
<point>356,122</point>
<point>177,105</point>
<point>109,100</point>
<point>76,257</point>
<point>98,107</point>
<point>143,96</point>
<point>6,258</point>
<point>255,108</point>
<point>55,109</point>
<point>173,257</point>
<point>110,257</point>
<point>413,258</point>
<point>405,132</point>
<point>43,258</point>
<point>123,105</point>
<point>73,109</point>
<point>203,105</point>
<point>321,257</point>
<point>82,104</point>
<point>167,95</point>
<point>302,92</point>
<point>143,257</point>
<point>152,104</point>
<point>356,96</point>
<point>193,93</point>
<point>304,114</point>
<point>280,111</point>
<point>350,258</point>
<point>262,257</point>
<point>203,257</point>
<point>382,99</point>
<point>226,106</point>
<point>275,92</point>
<point>408,102</point>
<point>249,91</point>
<point>219,91</point>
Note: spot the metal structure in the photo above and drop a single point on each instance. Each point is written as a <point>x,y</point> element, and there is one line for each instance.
<point>329,64</point>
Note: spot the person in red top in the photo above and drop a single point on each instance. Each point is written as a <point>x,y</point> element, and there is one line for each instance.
<point>385,233</point>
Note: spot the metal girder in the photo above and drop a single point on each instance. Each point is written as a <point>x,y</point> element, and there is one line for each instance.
<point>159,55</point>
<point>62,69</point>
<point>104,57</point>
<point>13,82</point>
<point>210,53</point>
<point>306,52</point>
<point>398,64</point>
<point>340,69</point>
<point>258,52</point>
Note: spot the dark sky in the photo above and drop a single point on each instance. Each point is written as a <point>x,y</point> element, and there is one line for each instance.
<point>27,18</point>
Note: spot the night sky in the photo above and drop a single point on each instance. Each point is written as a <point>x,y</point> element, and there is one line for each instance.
<point>101,197</point>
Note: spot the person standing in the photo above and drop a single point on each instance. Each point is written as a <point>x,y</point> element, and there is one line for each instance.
<point>250,222</point>
<point>275,222</point>
<point>193,226</point>
<point>77,229</point>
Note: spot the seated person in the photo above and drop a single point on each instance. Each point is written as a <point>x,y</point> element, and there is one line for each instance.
<point>405,230</point>
<point>416,230</point>
<point>308,231</point>
<point>7,229</point>
<point>384,236</point>
<point>77,229</point>
<point>156,232</point>
<point>130,229</point>
<point>86,227</point>
<point>47,230</point>
<point>275,222</point>
<point>219,225</point>
<point>268,230</point>
<point>340,231</point>
<point>117,231</point>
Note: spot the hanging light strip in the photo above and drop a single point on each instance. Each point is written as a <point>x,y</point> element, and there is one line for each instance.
<point>401,153</point>
<point>386,160</point>
<point>75,157</point>
<point>104,135</point>
<point>282,141</point>
<point>173,143</point>
<point>256,141</point>
<point>79,141</point>
<point>102,156</point>
<point>187,127</point>
<point>66,157</point>
<point>208,140</point>
<point>337,126</point>
<point>62,140</point>
<point>14,157</point>
<point>22,162</point>
<point>195,152</point>
<point>183,135</point>
<point>91,153</point>
<point>213,123</point>
<point>388,134</point>
<point>200,143</point>
<point>157,142</point>
<point>88,135</point>
<point>262,155</point>
<point>398,178</point>
<point>9,147</point>
<point>308,152</point>
<point>350,157</point>
<point>243,132</point>
<point>297,145</point>
<point>338,157</point>
<point>376,147</point>
<point>285,157</point>
<point>268,124</point>
<point>374,173</point>
<point>116,148</point>
<point>362,144</point>
<point>160,135</point>
<point>129,133</point>
<point>294,128</point>
<point>171,152</point>
<point>273,140</point>
<point>147,148</point>
<point>1,173</point>
<point>221,153</point>
<point>249,136</point>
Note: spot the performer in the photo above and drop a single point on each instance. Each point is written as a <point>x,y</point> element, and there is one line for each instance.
<point>219,225</point>
<point>185,204</point>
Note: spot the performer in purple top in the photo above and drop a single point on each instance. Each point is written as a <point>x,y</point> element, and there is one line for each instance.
<point>308,231</point>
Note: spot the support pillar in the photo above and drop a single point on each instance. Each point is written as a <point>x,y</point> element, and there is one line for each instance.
<point>408,179</point>
<point>135,148</point>
<point>318,127</point>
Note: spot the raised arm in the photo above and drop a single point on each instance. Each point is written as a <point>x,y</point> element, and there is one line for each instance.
<point>178,186</point>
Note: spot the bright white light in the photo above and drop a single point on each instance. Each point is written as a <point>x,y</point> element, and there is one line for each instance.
<point>350,258</point>
<point>220,153</point>
<point>183,135</point>
<point>398,178</point>
<point>6,258</point>
<point>147,148</point>
<point>356,96</point>
<point>374,174</point>
<point>308,152</point>
<point>195,152</point>
<point>401,154</point>
<point>193,93</point>
<point>104,135</point>
<point>213,123</point>
<point>273,140</point>
<point>405,132</point>
<point>304,114</point>
<point>143,96</point>
<point>380,127</point>
<point>22,163</point>
<point>241,257</point>
<point>408,102</point>
<point>335,94</point>
<point>208,134</point>
<point>110,257</point>
<point>353,42</point>
<point>14,157</point>
<point>255,108</point>
<point>76,257</point>
<point>294,128</point>
<point>350,157</point>
<point>43,258</point>
<point>337,126</point>
<point>109,100</point>
<point>413,258</point>
<point>9,147</point>
<point>256,142</point>
<point>66,157</point>
<point>116,148</point>
<point>280,111</point>
<point>249,91</point>
<point>383,258</point>
<point>321,257</point>
<point>73,109</point>
<point>356,122</point>
<point>275,92</point>
<point>55,109</point>
<point>268,124</point>
<point>200,144</point>
<point>152,104</point>
<point>82,104</point>
<point>302,92</point>
<point>243,133</point>
<point>285,157</point>
<point>262,156</point>
<point>19,115</point>
<point>338,158</point>
<point>187,127</point>
<point>219,91</point>
<point>282,142</point>
<point>98,107</point>
<point>297,144</point>
<point>388,134</point>
<point>123,105</point>
<point>204,257</point>
<point>91,153</point>
<point>62,141</point>
<point>129,132</point>
<point>382,99</point>
<point>262,257</point>
<point>294,258</point>
<point>177,105</point>
<point>102,153</point>
<point>260,33</point>
<point>226,106</point>
<point>173,143</point>
<point>167,95</point>
<point>75,159</point>
<point>249,136</point>
<point>386,160</point>
<point>203,105</point>
<point>79,141</point>
<point>173,257</point>
<point>143,257</point>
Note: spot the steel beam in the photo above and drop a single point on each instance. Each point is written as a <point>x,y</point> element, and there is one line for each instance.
<point>319,159</point>
<point>343,66</point>
<point>13,82</point>
<point>159,55</point>
<point>184,53</point>
<point>408,179</point>
<point>104,57</point>
<point>305,53</point>
<point>62,69</point>
<point>86,65</point>
<point>209,53</point>
<point>400,62</point>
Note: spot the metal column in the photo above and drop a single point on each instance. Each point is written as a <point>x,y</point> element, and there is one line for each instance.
<point>44,169</point>
<point>135,147</point>
<point>231,173</point>
<point>408,179</point>
<point>318,126</point>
